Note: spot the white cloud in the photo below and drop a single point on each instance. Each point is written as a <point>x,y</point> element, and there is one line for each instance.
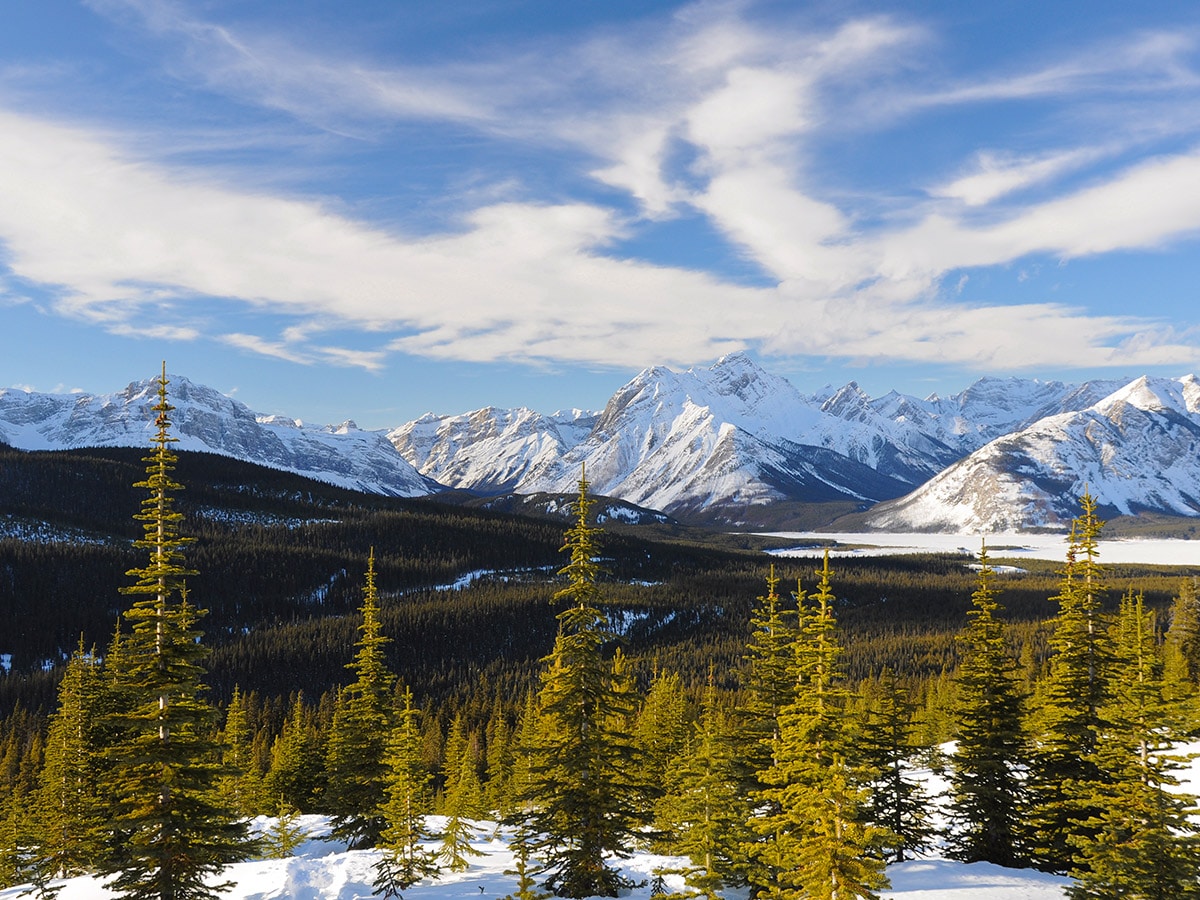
<point>118,236</point>
<point>997,175</point>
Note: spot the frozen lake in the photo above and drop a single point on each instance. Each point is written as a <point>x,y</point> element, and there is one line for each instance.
<point>1000,545</point>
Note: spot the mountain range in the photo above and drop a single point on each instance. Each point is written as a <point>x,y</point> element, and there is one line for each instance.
<point>729,445</point>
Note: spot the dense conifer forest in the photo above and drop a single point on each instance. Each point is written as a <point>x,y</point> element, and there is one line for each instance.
<point>377,659</point>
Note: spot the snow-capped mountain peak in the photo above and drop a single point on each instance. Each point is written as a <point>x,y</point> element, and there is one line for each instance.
<point>207,420</point>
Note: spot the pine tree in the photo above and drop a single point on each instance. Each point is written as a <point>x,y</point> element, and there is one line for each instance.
<point>170,833</point>
<point>241,783</point>
<point>704,812</point>
<point>1181,651</point>
<point>358,735</point>
<point>897,803</point>
<point>988,790</point>
<point>817,842</point>
<point>661,729</point>
<point>70,820</point>
<point>403,859</point>
<point>584,798</point>
<point>285,835</point>
<point>524,867</point>
<point>463,799</point>
<point>1063,774</point>
<point>498,792</point>
<point>769,681</point>
<point>1144,844</point>
<point>295,777</point>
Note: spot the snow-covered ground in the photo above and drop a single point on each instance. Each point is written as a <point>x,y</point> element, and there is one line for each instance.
<point>326,871</point>
<point>1018,545</point>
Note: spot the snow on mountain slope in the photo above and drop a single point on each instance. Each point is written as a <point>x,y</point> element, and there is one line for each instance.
<point>707,442</point>
<point>710,441</point>
<point>207,420</point>
<point>1136,449</point>
<point>490,450</point>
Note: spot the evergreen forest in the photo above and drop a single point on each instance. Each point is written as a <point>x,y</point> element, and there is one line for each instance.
<point>190,642</point>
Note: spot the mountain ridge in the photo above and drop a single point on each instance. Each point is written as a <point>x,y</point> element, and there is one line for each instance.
<point>727,445</point>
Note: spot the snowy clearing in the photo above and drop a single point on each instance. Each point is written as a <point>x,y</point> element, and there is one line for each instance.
<point>1001,545</point>
<point>322,870</point>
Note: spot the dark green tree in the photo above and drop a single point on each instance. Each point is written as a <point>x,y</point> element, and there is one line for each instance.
<point>986,779</point>
<point>897,802</point>
<point>241,782</point>
<point>462,800</point>
<point>584,798</point>
<point>498,792</point>
<point>661,729</point>
<point>1144,844</point>
<point>404,859</point>
<point>704,812</point>
<point>816,840</point>
<point>70,820</point>
<point>170,833</point>
<point>1181,651</point>
<point>769,678</point>
<point>1063,775</point>
<point>295,778</point>
<point>358,735</point>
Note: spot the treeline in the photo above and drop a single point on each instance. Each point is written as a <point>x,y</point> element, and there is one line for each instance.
<point>768,740</point>
<point>778,771</point>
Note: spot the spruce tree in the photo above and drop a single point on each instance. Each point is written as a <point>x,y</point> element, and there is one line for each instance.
<point>241,783</point>
<point>987,781</point>
<point>404,860</point>
<point>170,833</point>
<point>817,842</point>
<point>1063,774</point>
<point>1181,650</point>
<point>661,729</point>
<point>295,778</point>
<point>358,735</point>
<point>704,812</point>
<point>769,678</point>
<point>498,792</point>
<point>285,835</point>
<point>584,798</point>
<point>897,802</point>
<point>70,820</point>
<point>462,800</point>
<point>1144,844</point>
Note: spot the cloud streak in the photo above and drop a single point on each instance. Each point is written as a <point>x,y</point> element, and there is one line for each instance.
<point>726,124</point>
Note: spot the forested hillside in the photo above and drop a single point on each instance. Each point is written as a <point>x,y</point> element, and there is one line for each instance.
<point>377,660</point>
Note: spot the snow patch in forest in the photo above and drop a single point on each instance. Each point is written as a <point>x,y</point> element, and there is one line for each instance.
<point>249,517</point>
<point>1150,551</point>
<point>322,870</point>
<point>33,531</point>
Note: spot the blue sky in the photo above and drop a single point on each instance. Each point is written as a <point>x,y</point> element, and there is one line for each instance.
<point>370,209</point>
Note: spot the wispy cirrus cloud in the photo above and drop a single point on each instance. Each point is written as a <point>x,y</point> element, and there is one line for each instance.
<point>709,112</point>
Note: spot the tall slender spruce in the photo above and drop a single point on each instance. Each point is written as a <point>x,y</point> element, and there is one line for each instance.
<point>70,821</point>
<point>1144,843</point>
<point>817,842</point>
<point>584,797</point>
<point>358,736</point>
<point>170,833</point>
<point>988,787</point>
<point>1063,773</point>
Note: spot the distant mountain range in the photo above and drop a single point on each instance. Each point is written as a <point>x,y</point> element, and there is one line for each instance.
<point>729,445</point>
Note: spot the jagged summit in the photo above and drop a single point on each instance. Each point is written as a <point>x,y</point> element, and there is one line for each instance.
<point>1136,449</point>
<point>726,444</point>
<point>207,420</point>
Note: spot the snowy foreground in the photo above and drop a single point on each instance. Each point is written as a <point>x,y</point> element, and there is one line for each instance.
<point>326,871</point>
